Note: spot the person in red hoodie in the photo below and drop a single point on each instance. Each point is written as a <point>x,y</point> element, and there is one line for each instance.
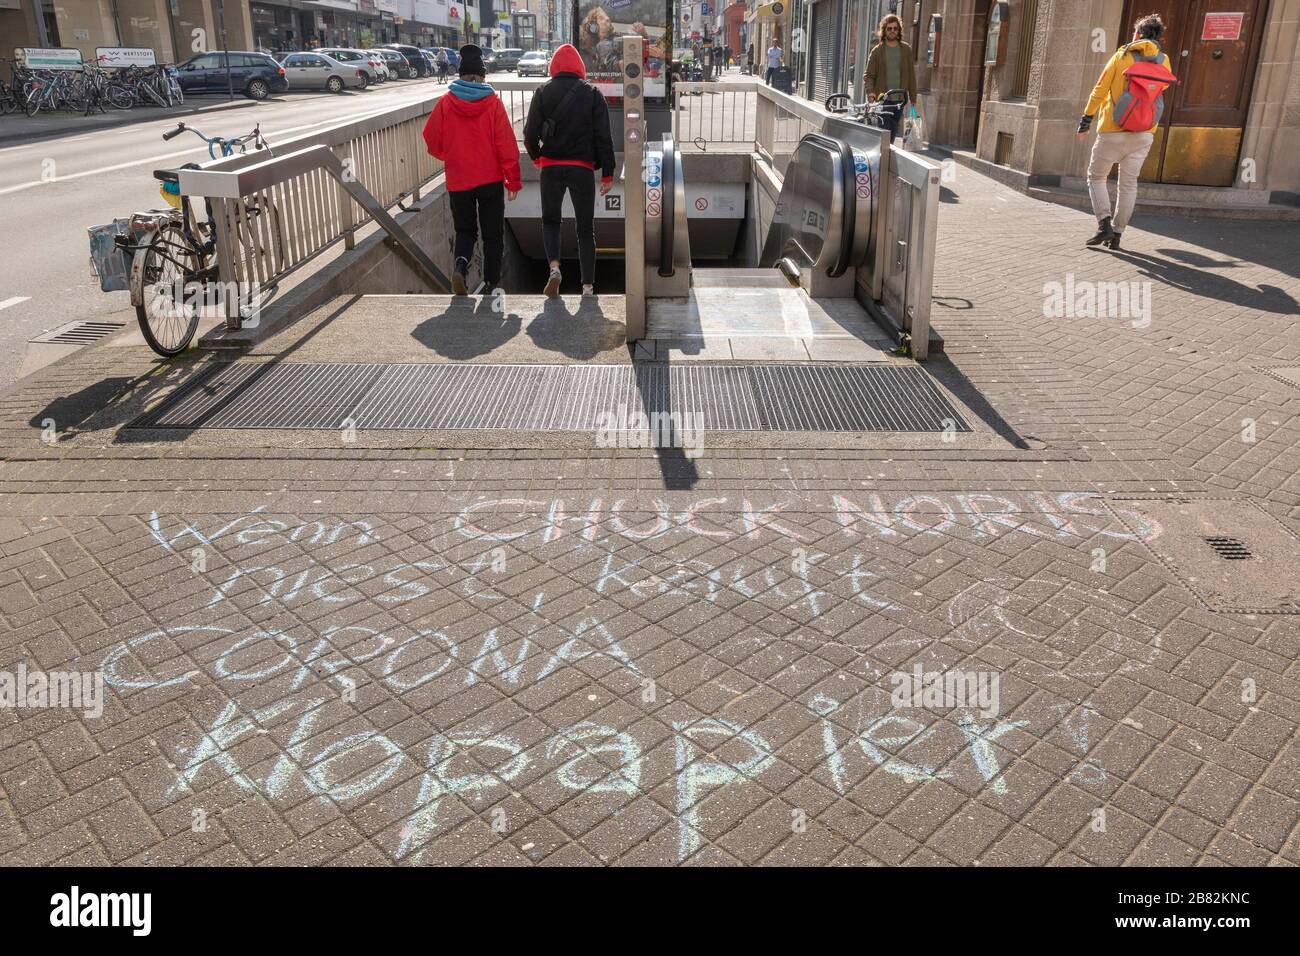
<point>567,135</point>
<point>470,132</point>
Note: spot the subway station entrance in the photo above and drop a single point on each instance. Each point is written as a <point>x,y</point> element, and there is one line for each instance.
<point>764,266</point>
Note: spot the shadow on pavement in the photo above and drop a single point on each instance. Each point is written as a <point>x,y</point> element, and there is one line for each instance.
<point>1200,280</point>
<point>581,334</point>
<point>468,328</point>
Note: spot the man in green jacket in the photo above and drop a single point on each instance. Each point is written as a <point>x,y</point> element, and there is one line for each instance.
<point>891,66</point>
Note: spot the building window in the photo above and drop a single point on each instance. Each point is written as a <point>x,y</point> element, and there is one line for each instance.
<point>1025,48</point>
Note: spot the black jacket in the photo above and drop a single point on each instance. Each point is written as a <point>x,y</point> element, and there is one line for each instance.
<point>581,131</point>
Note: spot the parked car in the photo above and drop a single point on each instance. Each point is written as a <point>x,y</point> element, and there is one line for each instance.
<point>256,75</point>
<point>534,63</point>
<point>507,58</point>
<point>416,63</point>
<point>393,61</point>
<point>316,71</point>
<point>370,64</point>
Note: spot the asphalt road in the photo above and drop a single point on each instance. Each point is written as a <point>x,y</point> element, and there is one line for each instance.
<point>52,189</point>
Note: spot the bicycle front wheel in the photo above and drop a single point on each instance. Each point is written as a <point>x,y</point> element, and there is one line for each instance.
<point>32,96</point>
<point>169,312</point>
<point>120,98</point>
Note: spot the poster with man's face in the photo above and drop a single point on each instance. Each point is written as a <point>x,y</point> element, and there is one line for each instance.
<point>602,24</point>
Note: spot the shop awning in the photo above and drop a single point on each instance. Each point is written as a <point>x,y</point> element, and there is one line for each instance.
<point>768,11</point>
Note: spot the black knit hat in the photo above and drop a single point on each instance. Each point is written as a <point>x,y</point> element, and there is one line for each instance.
<point>471,61</point>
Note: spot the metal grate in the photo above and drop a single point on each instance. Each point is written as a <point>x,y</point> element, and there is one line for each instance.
<point>841,398</point>
<point>78,333</point>
<point>1230,549</point>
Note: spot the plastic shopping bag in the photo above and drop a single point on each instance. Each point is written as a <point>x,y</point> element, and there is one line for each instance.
<point>913,131</point>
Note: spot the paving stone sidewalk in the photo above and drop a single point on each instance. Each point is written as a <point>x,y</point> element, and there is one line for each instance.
<point>439,656</point>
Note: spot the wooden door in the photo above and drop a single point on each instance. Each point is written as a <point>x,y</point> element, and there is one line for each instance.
<point>1213,48</point>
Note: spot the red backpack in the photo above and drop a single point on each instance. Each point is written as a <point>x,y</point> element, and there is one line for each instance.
<point>1142,103</point>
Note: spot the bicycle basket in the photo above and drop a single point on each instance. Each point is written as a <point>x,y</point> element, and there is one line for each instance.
<point>107,260</point>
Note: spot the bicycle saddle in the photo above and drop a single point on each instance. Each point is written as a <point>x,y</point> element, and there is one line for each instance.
<point>173,175</point>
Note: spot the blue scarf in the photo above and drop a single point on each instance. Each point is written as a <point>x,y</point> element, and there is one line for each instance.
<point>470,91</point>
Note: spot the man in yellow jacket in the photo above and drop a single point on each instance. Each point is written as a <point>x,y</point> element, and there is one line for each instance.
<point>1114,144</point>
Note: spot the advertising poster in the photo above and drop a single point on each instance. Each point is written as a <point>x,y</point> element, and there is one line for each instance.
<point>601,26</point>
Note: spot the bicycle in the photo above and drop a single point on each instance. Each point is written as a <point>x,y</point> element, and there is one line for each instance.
<point>11,93</point>
<point>173,269</point>
<point>880,114</point>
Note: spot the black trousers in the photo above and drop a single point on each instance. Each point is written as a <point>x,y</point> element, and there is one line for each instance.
<point>481,207</point>
<point>581,185</point>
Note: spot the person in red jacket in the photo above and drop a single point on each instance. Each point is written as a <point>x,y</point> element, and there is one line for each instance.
<point>470,132</point>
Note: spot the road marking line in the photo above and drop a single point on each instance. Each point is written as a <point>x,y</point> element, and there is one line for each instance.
<point>16,300</point>
<point>142,162</point>
<point>154,159</point>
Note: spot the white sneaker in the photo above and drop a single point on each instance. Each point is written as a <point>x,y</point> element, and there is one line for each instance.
<point>553,284</point>
<point>588,290</point>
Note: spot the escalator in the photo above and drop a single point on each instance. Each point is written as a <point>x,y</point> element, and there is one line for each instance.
<point>799,303</point>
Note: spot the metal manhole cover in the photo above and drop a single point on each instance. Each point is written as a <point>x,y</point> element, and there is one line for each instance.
<point>437,396</point>
<point>1230,553</point>
<point>78,333</point>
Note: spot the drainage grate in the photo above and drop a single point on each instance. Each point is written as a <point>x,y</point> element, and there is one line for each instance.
<point>1230,549</point>
<point>558,397</point>
<point>78,333</point>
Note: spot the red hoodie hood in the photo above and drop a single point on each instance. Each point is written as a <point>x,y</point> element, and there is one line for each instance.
<point>567,59</point>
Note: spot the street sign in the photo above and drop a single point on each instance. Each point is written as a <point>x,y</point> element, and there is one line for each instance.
<point>59,58</point>
<point>119,56</point>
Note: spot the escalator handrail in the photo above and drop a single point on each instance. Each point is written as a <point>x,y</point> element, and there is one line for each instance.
<point>668,206</point>
<point>848,190</point>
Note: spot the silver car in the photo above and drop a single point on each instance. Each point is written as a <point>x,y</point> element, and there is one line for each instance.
<point>534,63</point>
<point>367,63</point>
<point>316,71</point>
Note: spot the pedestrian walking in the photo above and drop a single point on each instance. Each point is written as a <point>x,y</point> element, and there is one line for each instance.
<point>444,64</point>
<point>1130,95</point>
<point>891,66</point>
<point>567,135</point>
<point>726,57</point>
<point>774,58</point>
<point>470,131</point>
<point>749,60</point>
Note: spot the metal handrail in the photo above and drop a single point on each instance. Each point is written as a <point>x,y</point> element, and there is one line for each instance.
<point>290,185</point>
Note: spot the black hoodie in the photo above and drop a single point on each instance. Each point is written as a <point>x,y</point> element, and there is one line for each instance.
<point>581,130</point>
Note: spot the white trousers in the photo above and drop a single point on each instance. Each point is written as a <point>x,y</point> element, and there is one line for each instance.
<point>1130,151</point>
